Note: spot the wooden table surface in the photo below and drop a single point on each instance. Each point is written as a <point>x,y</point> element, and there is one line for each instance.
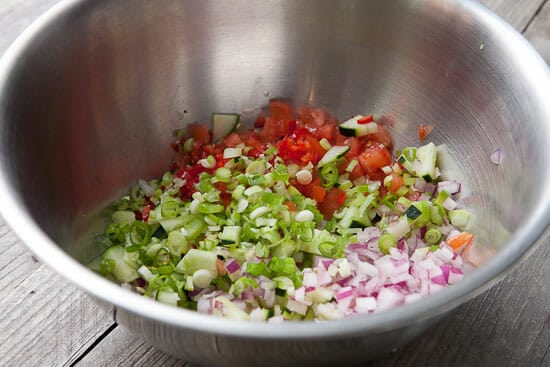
<point>45,321</point>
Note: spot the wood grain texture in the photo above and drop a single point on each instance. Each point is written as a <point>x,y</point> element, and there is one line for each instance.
<point>47,322</point>
<point>120,348</point>
<point>517,13</point>
<point>538,32</point>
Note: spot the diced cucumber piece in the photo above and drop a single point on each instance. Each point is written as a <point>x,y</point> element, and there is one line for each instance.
<point>177,243</point>
<point>167,296</point>
<point>123,217</point>
<point>194,227</point>
<point>351,214</point>
<point>231,235</point>
<point>171,224</point>
<point>459,218</point>
<point>223,124</point>
<point>259,314</point>
<point>424,164</point>
<point>230,310</point>
<point>353,128</point>
<point>333,154</point>
<point>319,237</point>
<point>399,229</point>
<point>124,271</point>
<point>198,259</point>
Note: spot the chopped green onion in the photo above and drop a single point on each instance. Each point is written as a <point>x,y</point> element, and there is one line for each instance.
<point>210,208</point>
<point>257,167</point>
<point>459,218</point>
<point>140,233</point>
<point>409,153</point>
<point>223,174</point>
<point>325,144</point>
<point>280,173</point>
<point>329,174</point>
<point>169,207</point>
<point>351,166</point>
<point>188,145</point>
<point>229,153</point>
<point>328,249</point>
<point>386,241</point>
<point>256,179</point>
<point>432,236</point>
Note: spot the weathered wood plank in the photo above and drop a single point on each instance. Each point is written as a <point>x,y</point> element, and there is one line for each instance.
<point>538,32</point>
<point>16,263</point>
<point>517,13</point>
<point>120,348</point>
<point>45,321</point>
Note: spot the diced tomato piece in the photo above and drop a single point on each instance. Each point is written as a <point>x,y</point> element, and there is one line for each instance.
<point>355,173</point>
<point>232,140</point>
<point>220,186</point>
<point>208,149</point>
<point>396,183</point>
<point>382,136</point>
<point>423,131</point>
<point>313,190</point>
<point>145,212</point>
<point>226,199</point>
<point>304,114</point>
<point>325,132</point>
<point>274,129</point>
<point>301,147</point>
<point>291,206</point>
<point>280,110</point>
<point>333,201</point>
<point>318,193</point>
<point>355,147</point>
<point>260,121</point>
<point>200,133</point>
<point>373,158</point>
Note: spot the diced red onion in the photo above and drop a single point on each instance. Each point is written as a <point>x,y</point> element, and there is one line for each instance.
<point>368,234</point>
<point>497,156</point>
<point>430,188</point>
<point>147,189</point>
<point>452,187</point>
<point>232,266</point>
<point>365,304</point>
<point>343,293</point>
<point>449,204</point>
<point>204,305</point>
<point>419,185</point>
<point>296,306</point>
<point>388,298</point>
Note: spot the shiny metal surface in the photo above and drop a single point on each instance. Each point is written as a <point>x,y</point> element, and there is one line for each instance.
<point>91,92</point>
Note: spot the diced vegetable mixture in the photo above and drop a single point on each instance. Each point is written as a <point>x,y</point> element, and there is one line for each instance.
<point>301,218</point>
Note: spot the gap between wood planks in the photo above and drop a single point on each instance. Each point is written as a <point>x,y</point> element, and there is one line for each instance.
<point>91,346</point>
<point>537,12</point>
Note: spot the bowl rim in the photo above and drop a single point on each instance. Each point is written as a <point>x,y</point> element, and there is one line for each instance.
<point>521,243</point>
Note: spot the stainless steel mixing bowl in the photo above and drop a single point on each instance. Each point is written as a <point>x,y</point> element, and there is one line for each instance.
<point>90,93</point>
